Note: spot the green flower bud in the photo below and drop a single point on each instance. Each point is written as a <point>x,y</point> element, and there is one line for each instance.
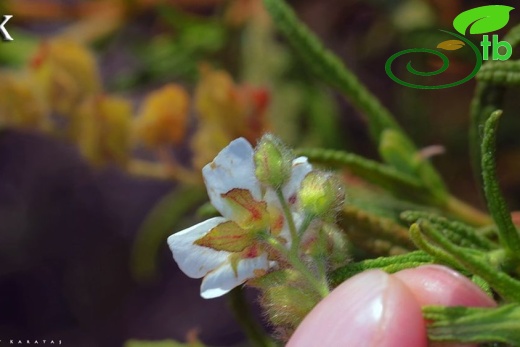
<point>286,299</point>
<point>326,241</point>
<point>321,194</point>
<point>273,162</point>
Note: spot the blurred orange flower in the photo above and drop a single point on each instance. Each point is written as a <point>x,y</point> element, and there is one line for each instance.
<point>105,123</point>
<point>66,74</point>
<point>20,105</point>
<point>163,117</point>
<point>226,111</point>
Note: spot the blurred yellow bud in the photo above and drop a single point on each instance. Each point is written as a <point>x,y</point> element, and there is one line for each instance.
<point>321,194</point>
<point>20,105</point>
<point>104,130</point>
<point>163,117</point>
<point>67,74</point>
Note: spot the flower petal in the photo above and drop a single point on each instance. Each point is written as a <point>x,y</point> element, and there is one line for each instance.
<point>300,169</point>
<point>223,279</point>
<point>246,211</point>
<point>228,236</point>
<point>232,168</point>
<point>196,261</point>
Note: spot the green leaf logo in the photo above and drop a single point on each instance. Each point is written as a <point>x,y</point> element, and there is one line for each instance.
<point>482,19</point>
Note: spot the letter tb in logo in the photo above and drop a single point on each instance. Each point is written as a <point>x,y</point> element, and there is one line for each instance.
<point>3,31</point>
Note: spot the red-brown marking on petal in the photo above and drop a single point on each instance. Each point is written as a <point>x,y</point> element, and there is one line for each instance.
<point>277,225</point>
<point>228,237</point>
<point>251,252</point>
<point>253,211</point>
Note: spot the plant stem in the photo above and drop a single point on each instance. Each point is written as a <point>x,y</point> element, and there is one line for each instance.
<point>293,258</point>
<point>306,222</point>
<point>290,220</point>
<point>244,317</point>
<point>467,213</point>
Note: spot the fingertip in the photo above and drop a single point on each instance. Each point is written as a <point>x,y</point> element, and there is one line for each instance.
<point>370,309</point>
<point>440,285</point>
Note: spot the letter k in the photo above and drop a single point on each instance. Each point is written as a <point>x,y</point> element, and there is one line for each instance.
<point>3,31</point>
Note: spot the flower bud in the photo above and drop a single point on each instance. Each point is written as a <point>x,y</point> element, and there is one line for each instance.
<point>321,194</point>
<point>286,298</point>
<point>337,245</point>
<point>273,162</point>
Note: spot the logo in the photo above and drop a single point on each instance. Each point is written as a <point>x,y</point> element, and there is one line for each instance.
<point>3,31</point>
<point>479,20</point>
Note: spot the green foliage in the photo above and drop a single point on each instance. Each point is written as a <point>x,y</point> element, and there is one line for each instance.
<point>503,73</point>
<point>388,264</point>
<point>459,233</point>
<point>159,224</point>
<point>483,264</point>
<point>474,324</point>
<point>385,176</point>
<point>399,152</point>
<point>386,236</point>
<point>25,45</point>
<point>176,56</point>
<point>507,232</point>
<point>329,68</point>
<point>489,97</point>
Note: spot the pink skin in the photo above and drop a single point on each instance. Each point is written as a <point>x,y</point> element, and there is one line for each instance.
<point>374,309</point>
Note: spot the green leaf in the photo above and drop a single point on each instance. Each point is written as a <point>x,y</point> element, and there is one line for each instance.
<point>474,324</point>
<point>459,233</point>
<point>388,264</point>
<point>399,152</point>
<point>374,234</point>
<point>507,232</point>
<point>475,262</point>
<point>387,177</point>
<point>158,225</point>
<point>329,67</point>
<point>482,20</point>
<point>500,73</point>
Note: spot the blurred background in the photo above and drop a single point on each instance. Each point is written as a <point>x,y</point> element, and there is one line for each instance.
<point>109,110</point>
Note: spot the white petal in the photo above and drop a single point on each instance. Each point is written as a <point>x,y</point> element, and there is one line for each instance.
<point>286,232</point>
<point>223,279</point>
<point>196,261</point>
<point>300,169</point>
<point>233,167</point>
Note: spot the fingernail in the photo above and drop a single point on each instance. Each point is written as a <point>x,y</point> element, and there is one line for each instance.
<point>440,285</point>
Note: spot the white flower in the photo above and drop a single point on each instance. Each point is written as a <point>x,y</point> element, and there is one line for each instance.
<point>226,250</point>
